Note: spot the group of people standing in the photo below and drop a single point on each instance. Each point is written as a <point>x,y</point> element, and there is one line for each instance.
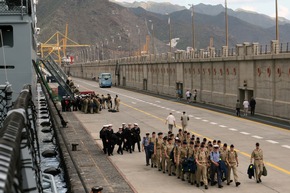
<point>90,103</point>
<point>125,138</point>
<point>246,105</point>
<point>199,161</point>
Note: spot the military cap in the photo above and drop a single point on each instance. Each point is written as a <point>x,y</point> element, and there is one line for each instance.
<point>160,133</point>
<point>97,189</point>
<point>180,130</point>
<point>110,125</point>
<point>232,145</point>
<point>169,139</point>
<point>105,125</point>
<point>153,132</point>
<point>123,123</point>
<point>202,146</point>
<point>184,142</point>
<point>225,145</point>
<point>136,124</point>
<point>191,143</point>
<point>178,141</point>
<point>257,144</point>
<point>147,133</point>
<point>165,138</point>
<point>216,146</point>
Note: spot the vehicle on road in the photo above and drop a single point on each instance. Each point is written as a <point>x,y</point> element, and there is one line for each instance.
<point>105,80</point>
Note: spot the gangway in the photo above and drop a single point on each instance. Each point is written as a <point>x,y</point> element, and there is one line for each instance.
<point>57,73</point>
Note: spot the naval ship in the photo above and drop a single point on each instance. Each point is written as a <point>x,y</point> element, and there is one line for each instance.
<point>29,157</point>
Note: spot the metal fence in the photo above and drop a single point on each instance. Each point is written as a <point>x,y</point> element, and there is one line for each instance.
<point>9,7</point>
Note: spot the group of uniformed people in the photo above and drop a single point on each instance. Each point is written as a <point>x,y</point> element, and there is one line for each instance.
<point>196,160</point>
<point>90,103</point>
<point>126,138</point>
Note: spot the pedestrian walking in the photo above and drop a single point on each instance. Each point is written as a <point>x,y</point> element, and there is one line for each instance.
<point>253,105</point>
<point>188,95</point>
<point>246,107</point>
<point>146,148</point>
<point>184,119</point>
<point>120,136</point>
<point>194,95</point>
<point>257,156</point>
<point>215,169</point>
<point>238,108</point>
<point>137,138</point>
<point>170,120</point>
<point>233,163</point>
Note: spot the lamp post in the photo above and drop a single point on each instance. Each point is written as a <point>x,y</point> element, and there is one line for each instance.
<point>153,41</point>
<point>226,21</point>
<point>277,21</point>
<point>139,40</point>
<point>169,23</point>
<point>192,26</point>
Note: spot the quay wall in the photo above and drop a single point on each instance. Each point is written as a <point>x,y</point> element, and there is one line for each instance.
<point>218,80</point>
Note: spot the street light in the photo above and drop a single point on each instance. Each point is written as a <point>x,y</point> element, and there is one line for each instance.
<point>226,21</point>
<point>277,21</point>
<point>169,23</point>
<point>192,25</point>
<point>139,40</point>
<point>152,28</point>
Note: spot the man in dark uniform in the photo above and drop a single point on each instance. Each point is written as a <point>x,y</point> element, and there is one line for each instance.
<point>110,139</point>
<point>137,137</point>
<point>103,133</point>
<point>128,136</point>
<point>253,105</point>
<point>120,136</point>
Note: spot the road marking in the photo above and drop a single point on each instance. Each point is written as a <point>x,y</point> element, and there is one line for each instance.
<point>232,129</point>
<point>157,101</point>
<point>205,120</point>
<point>168,109</point>
<point>197,134</point>
<point>286,146</point>
<point>197,118</point>
<point>213,123</point>
<point>190,115</point>
<point>133,103</point>
<point>243,153</point>
<point>245,133</point>
<point>257,137</point>
<point>271,141</point>
<point>223,126</point>
<point>178,112</point>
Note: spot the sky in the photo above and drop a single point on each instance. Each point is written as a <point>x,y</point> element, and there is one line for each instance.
<point>261,6</point>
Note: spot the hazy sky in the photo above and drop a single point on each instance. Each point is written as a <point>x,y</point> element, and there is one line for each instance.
<point>261,6</point>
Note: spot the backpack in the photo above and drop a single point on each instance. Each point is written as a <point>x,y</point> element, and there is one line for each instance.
<point>188,165</point>
<point>171,156</point>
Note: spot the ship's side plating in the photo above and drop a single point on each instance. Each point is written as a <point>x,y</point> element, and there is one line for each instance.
<point>18,46</point>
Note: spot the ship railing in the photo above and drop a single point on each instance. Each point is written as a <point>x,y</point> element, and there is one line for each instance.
<point>48,178</point>
<point>16,7</point>
<point>19,147</point>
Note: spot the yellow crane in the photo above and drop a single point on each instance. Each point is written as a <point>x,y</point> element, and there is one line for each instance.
<point>57,44</point>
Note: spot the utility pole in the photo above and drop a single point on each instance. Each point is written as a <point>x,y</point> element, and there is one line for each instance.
<point>226,21</point>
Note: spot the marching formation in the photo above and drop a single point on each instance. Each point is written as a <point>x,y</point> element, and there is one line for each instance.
<point>199,161</point>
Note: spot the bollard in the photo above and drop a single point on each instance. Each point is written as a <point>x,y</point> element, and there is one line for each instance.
<point>74,146</point>
<point>97,189</point>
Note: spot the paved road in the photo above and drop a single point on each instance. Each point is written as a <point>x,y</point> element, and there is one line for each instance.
<point>150,112</point>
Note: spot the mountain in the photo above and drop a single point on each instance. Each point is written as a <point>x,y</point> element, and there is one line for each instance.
<point>161,8</point>
<point>251,17</point>
<point>93,21</point>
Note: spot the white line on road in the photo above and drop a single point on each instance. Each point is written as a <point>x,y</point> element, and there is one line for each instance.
<point>223,126</point>
<point>271,141</point>
<point>286,146</point>
<point>232,129</point>
<point>157,101</point>
<point>197,117</point>
<point>245,133</point>
<point>168,109</point>
<point>172,110</point>
<point>190,115</point>
<point>213,123</point>
<point>205,120</point>
<point>257,137</point>
<point>133,103</point>
<point>178,112</point>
